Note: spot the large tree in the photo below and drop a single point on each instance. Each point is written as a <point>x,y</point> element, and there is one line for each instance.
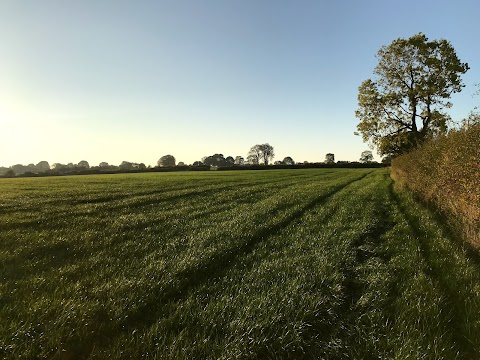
<point>166,160</point>
<point>405,103</point>
<point>267,153</point>
<point>261,153</point>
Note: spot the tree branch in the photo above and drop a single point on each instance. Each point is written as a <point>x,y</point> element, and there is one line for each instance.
<point>397,131</point>
<point>396,119</point>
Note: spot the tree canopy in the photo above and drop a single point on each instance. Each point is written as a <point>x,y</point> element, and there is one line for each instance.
<point>366,156</point>
<point>288,161</point>
<point>260,153</point>
<point>166,160</point>
<point>329,158</point>
<point>406,102</point>
<point>217,160</point>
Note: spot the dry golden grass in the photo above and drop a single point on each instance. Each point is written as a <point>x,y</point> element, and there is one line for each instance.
<point>446,173</point>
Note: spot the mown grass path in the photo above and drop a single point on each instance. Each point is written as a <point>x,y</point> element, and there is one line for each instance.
<point>307,264</point>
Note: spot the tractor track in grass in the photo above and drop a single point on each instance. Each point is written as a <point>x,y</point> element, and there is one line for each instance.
<point>297,264</point>
<point>215,266</point>
<point>137,201</point>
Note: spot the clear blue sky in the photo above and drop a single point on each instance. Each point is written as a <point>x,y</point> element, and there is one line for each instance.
<point>112,80</point>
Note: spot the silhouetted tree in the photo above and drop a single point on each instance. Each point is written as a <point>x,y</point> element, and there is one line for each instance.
<point>288,161</point>
<point>197,163</point>
<point>142,166</point>
<point>181,163</point>
<point>405,104</point>
<point>84,164</point>
<point>166,160</point>
<point>215,160</point>
<point>103,164</point>
<point>329,158</point>
<point>366,156</point>
<point>267,153</point>
<point>260,152</point>
<point>229,161</point>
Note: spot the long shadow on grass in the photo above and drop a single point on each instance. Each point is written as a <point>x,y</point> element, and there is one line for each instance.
<point>216,266</point>
<point>39,260</point>
<point>235,187</point>
<point>49,223</point>
<point>455,303</point>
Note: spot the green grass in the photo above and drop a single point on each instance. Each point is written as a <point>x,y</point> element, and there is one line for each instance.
<point>307,264</point>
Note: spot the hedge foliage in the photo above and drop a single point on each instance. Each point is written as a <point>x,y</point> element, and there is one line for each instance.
<point>446,173</point>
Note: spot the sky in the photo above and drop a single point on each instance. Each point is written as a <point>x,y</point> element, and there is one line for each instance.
<point>115,80</point>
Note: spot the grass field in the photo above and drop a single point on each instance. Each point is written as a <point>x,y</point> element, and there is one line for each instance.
<point>307,264</point>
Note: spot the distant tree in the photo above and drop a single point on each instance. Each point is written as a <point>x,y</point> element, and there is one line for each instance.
<point>405,104</point>
<point>70,165</point>
<point>42,166</point>
<point>84,164</point>
<point>103,164</point>
<point>254,155</point>
<point>126,165</point>
<point>366,156</point>
<point>197,163</point>
<point>142,166</point>
<point>181,163</point>
<point>260,153</point>
<point>10,173</point>
<point>267,153</point>
<point>278,162</point>
<point>288,161</point>
<point>239,160</point>
<point>216,160</point>
<point>20,169</point>
<point>166,160</point>
<point>252,159</point>
<point>229,161</point>
<point>329,158</point>
<point>58,166</point>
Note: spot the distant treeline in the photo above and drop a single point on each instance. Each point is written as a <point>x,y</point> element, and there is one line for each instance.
<point>76,170</point>
<point>445,172</point>
<point>259,158</point>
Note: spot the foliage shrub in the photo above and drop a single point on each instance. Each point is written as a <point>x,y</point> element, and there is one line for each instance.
<point>446,173</point>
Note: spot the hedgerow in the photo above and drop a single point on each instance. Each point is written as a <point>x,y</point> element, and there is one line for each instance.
<point>445,172</point>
